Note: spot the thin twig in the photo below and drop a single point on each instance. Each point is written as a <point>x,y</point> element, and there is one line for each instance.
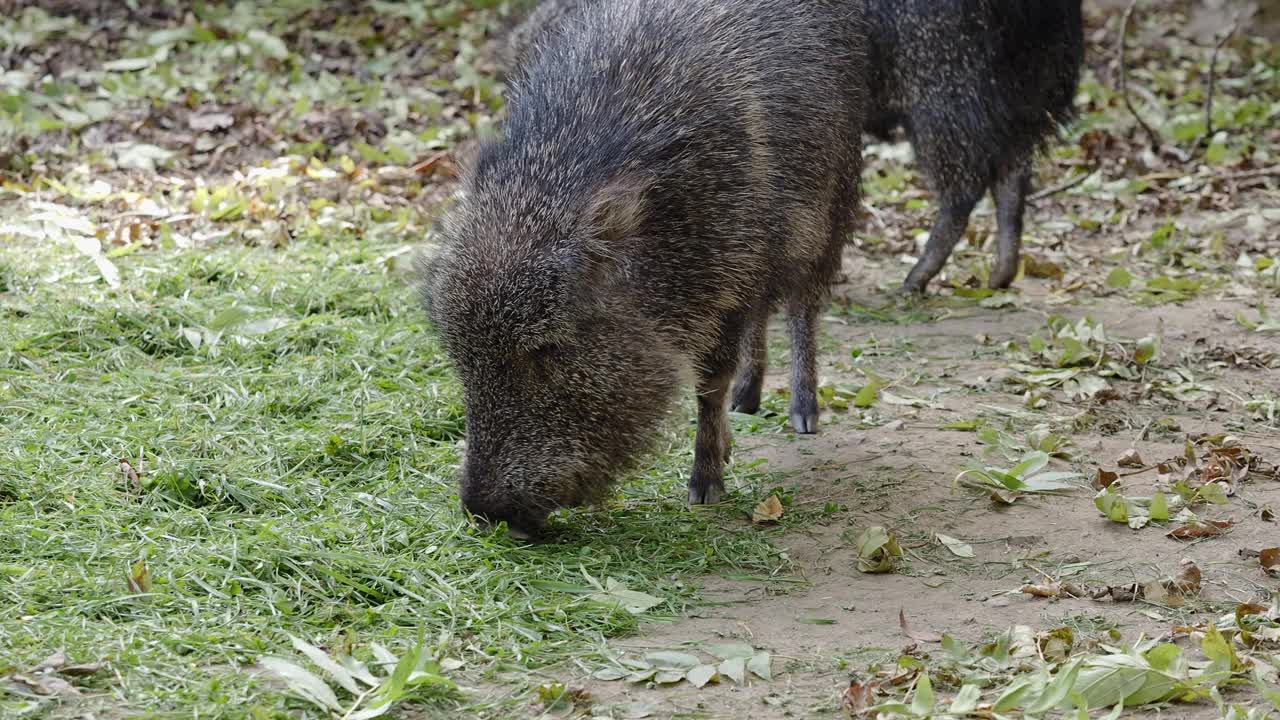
<point>1124,78</point>
<point>1060,187</point>
<point>1213,74</point>
<point>1274,170</point>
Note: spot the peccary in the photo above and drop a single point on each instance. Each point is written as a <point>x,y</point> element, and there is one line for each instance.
<point>979,86</point>
<point>670,171</point>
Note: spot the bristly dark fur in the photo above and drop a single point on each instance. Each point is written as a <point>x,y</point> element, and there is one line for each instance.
<point>979,85</point>
<point>670,171</point>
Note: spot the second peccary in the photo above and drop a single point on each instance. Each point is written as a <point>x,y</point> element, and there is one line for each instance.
<point>979,86</point>
<point>670,171</point>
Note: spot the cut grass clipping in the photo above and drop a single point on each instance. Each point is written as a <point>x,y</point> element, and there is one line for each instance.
<point>177,510</point>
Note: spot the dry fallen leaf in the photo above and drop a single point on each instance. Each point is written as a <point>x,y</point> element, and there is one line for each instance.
<point>956,546</point>
<point>1122,593</point>
<point>46,684</point>
<point>1104,479</point>
<point>857,698</point>
<point>769,510</point>
<point>1266,513</point>
<point>1130,459</point>
<point>1200,529</point>
<point>1055,590</point>
<point>917,635</point>
<point>1188,580</point>
<point>1270,559</point>
<point>53,662</point>
<point>131,475</point>
<point>1055,645</point>
<point>878,550</point>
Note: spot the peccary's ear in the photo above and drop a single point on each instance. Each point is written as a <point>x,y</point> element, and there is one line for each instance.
<point>616,211</point>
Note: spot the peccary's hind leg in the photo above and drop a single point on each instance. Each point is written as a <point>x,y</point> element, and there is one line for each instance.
<point>711,444</point>
<point>754,360</point>
<point>1010,193</point>
<point>947,231</point>
<point>802,321</point>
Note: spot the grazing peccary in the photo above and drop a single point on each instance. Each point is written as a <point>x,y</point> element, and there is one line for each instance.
<point>979,86</point>
<point>670,171</point>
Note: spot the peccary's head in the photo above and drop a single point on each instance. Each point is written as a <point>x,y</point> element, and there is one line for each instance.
<point>563,380</point>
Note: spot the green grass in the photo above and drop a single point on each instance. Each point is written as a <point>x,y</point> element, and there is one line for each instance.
<point>296,481</point>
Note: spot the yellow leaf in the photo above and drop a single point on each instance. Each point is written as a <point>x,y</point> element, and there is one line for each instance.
<point>769,510</point>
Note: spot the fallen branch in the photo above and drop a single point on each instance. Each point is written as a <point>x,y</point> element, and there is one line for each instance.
<point>1273,171</point>
<point>1060,187</point>
<point>1124,78</point>
<point>1213,74</point>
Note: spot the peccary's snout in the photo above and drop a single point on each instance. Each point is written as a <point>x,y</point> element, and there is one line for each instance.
<point>490,503</point>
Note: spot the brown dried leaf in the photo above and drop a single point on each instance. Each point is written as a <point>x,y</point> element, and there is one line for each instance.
<point>1104,479</point>
<point>1046,590</point>
<point>53,662</point>
<point>1130,459</point>
<point>1156,593</point>
<point>1036,267</point>
<point>1124,593</point>
<point>917,635</point>
<point>45,684</point>
<point>130,475</point>
<point>1200,529</point>
<point>769,510</point>
<point>1249,609</point>
<point>1055,645</point>
<point>857,698</point>
<point>1188,580</point>
<point>1270,559</point>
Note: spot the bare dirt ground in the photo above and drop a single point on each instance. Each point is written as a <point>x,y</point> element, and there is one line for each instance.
<point>900,475</point>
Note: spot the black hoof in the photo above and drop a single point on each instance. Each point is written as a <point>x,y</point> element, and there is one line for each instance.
<point>746,399</point>
<point>804,423</point>
<point>1001,279</point>
<point>709,495</point>
<point>910,289</point>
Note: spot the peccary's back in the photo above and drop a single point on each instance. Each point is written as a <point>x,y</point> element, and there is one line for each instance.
<point>738,115</point>
<point>998,76</point>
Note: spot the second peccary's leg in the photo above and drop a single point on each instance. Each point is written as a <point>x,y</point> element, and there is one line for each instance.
<point>947,231</point>
<point>755,358</point>
<point>1010,194</point>
<point>802,321</point>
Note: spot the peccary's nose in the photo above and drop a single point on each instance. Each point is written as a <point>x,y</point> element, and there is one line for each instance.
<point>487,517</point>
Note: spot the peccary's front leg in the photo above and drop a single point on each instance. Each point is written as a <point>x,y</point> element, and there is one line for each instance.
<point>802,321</point>
<point>754,360</point>
<point>1011,200</point>
<point>711,446</point>
<point>947,231</point>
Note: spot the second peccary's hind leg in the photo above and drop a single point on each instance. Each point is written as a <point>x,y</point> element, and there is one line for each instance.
<point>1010,194</point>
<point>947,231</point>
<point>802,321</point>
<point>755,357</point>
